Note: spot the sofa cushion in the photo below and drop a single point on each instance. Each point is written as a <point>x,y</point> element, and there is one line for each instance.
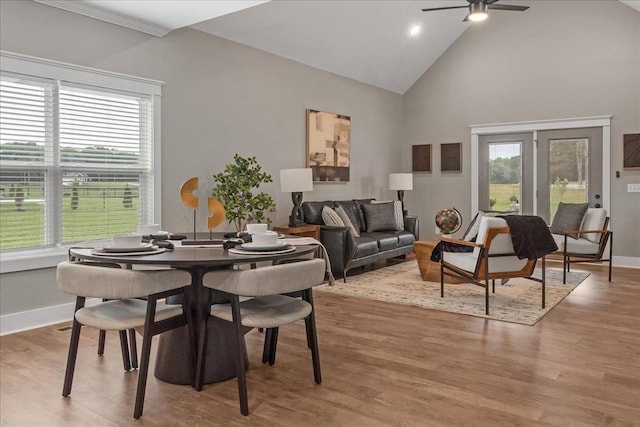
<point>331,217</point>
<point>347,221</point>
<point>386,241</point>
<point>365,246</point>
<point>568,217</point>
<point>351,208</point>
<point>405,238</point>
<point>379,217</point>
<point>313,211</point>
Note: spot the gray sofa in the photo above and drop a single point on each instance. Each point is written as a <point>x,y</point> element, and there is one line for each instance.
<point>345,250</point>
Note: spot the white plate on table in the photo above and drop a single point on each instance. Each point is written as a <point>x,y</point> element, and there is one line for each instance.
<point>137,248</point>
<point>260,247</point>
<point>239,251</point>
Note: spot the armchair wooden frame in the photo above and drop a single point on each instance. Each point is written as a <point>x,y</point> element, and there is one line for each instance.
<point>606,236</point>
<point>481,275</point>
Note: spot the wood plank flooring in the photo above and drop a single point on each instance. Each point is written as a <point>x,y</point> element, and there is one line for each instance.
<point>383,364</point>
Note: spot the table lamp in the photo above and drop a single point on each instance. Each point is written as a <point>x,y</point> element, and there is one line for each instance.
<point>295,181</point>
<point>401,182</point>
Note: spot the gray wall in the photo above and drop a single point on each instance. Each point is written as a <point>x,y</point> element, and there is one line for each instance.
<point>556,60</point>
<point>219,98</point>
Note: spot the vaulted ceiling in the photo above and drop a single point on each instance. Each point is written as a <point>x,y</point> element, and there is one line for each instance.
<point>368,41</point>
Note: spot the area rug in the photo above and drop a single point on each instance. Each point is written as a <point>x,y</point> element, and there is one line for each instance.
<point>517,301</point>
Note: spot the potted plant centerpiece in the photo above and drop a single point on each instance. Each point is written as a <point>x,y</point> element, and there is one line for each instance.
<point>235,186</point>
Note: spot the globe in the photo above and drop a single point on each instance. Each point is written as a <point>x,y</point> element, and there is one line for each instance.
<point>448,220</point>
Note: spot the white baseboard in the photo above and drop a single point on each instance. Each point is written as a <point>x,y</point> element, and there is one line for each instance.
<point>38,318</point>
<point>626,261</point>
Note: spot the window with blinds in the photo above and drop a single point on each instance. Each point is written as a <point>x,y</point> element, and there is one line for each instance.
<point>76,162</point>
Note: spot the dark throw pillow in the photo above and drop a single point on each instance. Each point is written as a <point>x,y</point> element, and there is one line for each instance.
<point>379,217</point>
<point>568,217</point>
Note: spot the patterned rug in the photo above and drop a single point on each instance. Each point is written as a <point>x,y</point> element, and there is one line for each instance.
<point>517,301</point>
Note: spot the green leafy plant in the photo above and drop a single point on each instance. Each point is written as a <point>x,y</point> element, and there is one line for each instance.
<point>235,186</point>
<point>492,202</point>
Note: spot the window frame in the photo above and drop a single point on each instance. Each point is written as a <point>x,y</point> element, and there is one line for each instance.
<point>31,259</point>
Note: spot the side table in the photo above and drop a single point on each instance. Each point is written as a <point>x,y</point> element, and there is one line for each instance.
<point>306,230</point>
<point>429,270</point>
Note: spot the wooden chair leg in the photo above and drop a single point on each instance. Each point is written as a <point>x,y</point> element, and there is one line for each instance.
<point>124,348</point>
<point>313,338</point>
<point>202,356</point>
<point>240,365</point>
<point>266,349</point>
<point>102,337</point>
<point>544,280</point>
<point>73,350</point>
<point>273,346</point>
<point>133,348</point>
<point>610,253</point>
<point>144,358</point>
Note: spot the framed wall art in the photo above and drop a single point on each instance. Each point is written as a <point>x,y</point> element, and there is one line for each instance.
<point>451,157</point>
<point>631,151</point>
<point>328,146</point>
<point>421,158</point>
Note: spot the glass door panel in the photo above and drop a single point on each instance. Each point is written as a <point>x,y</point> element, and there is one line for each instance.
<point>568,172</point>
<point>505,172</point>
<point>569,169</point>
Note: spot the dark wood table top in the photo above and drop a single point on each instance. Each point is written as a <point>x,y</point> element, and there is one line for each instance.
<point>186,257</point>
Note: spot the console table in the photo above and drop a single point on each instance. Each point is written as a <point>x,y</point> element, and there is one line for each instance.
<point>307,230</point>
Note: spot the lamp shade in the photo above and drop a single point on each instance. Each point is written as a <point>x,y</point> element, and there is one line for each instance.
<point>400,181</point>
<point>296,180</point>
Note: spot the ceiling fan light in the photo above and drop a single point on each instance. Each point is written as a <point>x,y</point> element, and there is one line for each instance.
<point>478,11</point>
<point>478,16</point>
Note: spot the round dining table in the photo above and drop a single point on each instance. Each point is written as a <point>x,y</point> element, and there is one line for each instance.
<point>175,360</point>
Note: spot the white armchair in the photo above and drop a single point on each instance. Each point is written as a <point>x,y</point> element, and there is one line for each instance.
<point>493,257</point>
<point>588,243</point>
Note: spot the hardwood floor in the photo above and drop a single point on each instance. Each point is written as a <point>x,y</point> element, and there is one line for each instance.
<point>383,365</point>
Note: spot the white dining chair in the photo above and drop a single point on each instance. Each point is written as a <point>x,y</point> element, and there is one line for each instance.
<point>123,310</point>
<point>264,306</point>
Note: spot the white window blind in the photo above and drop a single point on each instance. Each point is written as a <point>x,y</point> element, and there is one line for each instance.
<point>76,161</point>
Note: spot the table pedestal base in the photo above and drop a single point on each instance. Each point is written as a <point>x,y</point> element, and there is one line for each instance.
<point>172,359</point>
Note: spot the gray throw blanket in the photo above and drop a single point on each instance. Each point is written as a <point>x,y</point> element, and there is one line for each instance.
<point>530,236</point>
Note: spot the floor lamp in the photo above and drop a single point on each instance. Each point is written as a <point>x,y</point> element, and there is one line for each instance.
<point>401,182</point>
<point>295,181</point>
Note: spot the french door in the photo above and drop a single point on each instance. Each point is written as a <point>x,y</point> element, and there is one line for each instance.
<point>569,169</point>
<point>532,172</point>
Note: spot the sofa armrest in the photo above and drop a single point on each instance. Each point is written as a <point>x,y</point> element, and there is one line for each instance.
<point>341,246</point>
<point>412,225</point>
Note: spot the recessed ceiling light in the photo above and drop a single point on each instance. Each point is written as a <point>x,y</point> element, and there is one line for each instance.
<point>414,31</point>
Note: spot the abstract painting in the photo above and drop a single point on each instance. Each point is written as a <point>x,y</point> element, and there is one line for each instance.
<point>328,146</point>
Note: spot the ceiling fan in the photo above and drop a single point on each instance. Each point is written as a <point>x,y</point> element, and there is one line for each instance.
<point>478,9</point>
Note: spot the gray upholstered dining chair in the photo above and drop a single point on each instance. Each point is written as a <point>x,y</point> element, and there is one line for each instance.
<point>266,308</point>
<point>123,310</point>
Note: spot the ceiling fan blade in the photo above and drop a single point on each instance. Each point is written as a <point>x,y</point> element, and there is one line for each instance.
<point>444,8</point>
<point>508,7</point>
